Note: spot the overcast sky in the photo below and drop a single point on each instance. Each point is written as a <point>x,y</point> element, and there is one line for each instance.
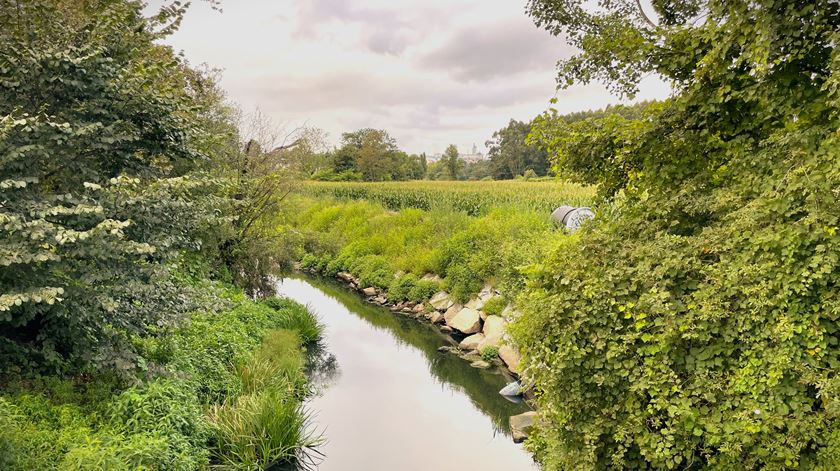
<point>430,72</point>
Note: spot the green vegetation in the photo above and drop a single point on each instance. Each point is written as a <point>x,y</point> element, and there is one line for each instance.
<point>394,251</point>
<point>126,186</point>
<point>369,155</point>
<point>473,198</point>
<point>179,414</point>
<point>695,327</point>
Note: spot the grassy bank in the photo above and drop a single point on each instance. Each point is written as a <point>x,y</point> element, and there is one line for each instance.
<point>473,198</point>
<point>373,243</point>
<point>225,390</point>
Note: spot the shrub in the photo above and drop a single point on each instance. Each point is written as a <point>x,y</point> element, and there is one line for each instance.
<point>423,290</point>
<point>489,352</point>
<point>296,317</point>
<point>402,286</point>
<point>495,305</point>
<point>260,429</point>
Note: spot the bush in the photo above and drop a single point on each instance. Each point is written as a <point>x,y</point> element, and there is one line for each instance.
<point>257,430</point>
<point>295,317</point>
<point>489,353</point>
<point>495,305</point>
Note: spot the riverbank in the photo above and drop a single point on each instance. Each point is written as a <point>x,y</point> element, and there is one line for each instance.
<point>459,272</point>
<point>388,399</point>
<point>224,389</point>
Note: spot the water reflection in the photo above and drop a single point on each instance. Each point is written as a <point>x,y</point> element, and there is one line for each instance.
<point>387,399</point>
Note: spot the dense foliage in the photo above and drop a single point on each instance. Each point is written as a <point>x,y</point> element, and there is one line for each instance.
<point>697,328</point>
<point>510,154</point>
<point>105,422</point>
<point>98,134</point>
<point>371,155</point>
<point>474,198</point>
<point>394,251</point>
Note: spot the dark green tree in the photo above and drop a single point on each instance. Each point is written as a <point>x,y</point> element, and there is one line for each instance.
<point>693,324</point>
<point>511,155</point>
<point>100,128</point>
<point>452,161</point>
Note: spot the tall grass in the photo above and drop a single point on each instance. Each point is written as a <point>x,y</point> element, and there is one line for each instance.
<point>267,424</point>
<point>294,316</point>
<point>473,198</point>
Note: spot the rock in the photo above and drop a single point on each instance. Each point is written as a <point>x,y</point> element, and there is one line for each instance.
<point>510,313</point>
<point>473,303</point>
<point>445,349</point>
<point>436,317</point>
<point>466,321</point>
<point>521,425</point>
<point>346,277</point>
<point>407,310</point>
<point>511,357</point>
<point>490,341</point>
<point>493,325</point>
<point>452,312</point>
<point>380,300</point>
<point>419,308</point>
<point>483,315</point>
<point>446,329</point>
<point>511,389</point>
<point>472,342</point>
<point>369,291</point>
<point>480,364</point>
<point>432,277</point>
<point>441,301</point>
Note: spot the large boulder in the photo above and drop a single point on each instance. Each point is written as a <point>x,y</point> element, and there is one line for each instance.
<point>467,321</point>
<point>452,312</point>
<point>441,301</point>
<point>436,317</point>
<point>472,342</point>
<point>521,425</point>
<point>491,341</point>
<point>370,291</point>
<point>511,357</point>
<point>494,325</point>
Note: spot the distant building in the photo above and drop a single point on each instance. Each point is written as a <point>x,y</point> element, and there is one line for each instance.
<point>471,158</point>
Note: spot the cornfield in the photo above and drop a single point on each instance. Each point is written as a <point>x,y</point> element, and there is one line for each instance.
<point>472,197</point>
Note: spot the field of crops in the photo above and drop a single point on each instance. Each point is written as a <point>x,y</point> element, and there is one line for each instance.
<point>472,197</point>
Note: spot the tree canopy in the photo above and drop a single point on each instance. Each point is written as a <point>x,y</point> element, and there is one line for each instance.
<point>693,324</point>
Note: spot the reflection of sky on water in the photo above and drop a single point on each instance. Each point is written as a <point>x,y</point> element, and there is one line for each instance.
<point>386,399</point>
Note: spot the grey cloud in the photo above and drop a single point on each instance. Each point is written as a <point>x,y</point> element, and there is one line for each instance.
<point>497,50</point>
<point>387,31</point>
<point>387,42</point>
<point>359,91</point>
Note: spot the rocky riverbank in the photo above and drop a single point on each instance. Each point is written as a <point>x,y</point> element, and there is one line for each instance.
<point>476,337</point>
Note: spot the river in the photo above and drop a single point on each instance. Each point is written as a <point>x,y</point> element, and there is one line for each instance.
<point>388,400</point>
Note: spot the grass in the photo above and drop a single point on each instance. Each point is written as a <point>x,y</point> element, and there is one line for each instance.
<point>473,198</point>
<point>225,391</point>
<point>394,250</point>
<point>266,424</point>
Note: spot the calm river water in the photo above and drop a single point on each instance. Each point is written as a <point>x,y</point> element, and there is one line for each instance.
<point>387,400</point>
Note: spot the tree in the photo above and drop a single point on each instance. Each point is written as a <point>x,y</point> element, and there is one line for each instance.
<point>100,140</point>
<point>511,155</point>
<point>452,161</point>
<point>694,325</point>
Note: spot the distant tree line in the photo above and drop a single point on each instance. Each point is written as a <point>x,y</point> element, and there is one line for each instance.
<point>373,155</point>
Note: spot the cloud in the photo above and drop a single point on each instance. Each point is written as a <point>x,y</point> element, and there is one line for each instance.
<point>497,50</point>
<point>356,90</point>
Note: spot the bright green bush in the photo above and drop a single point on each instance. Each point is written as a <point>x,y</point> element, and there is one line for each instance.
<point>257,430</point>
<point>495,305</point>
<point>296,317</point>
<point>489,353</point>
